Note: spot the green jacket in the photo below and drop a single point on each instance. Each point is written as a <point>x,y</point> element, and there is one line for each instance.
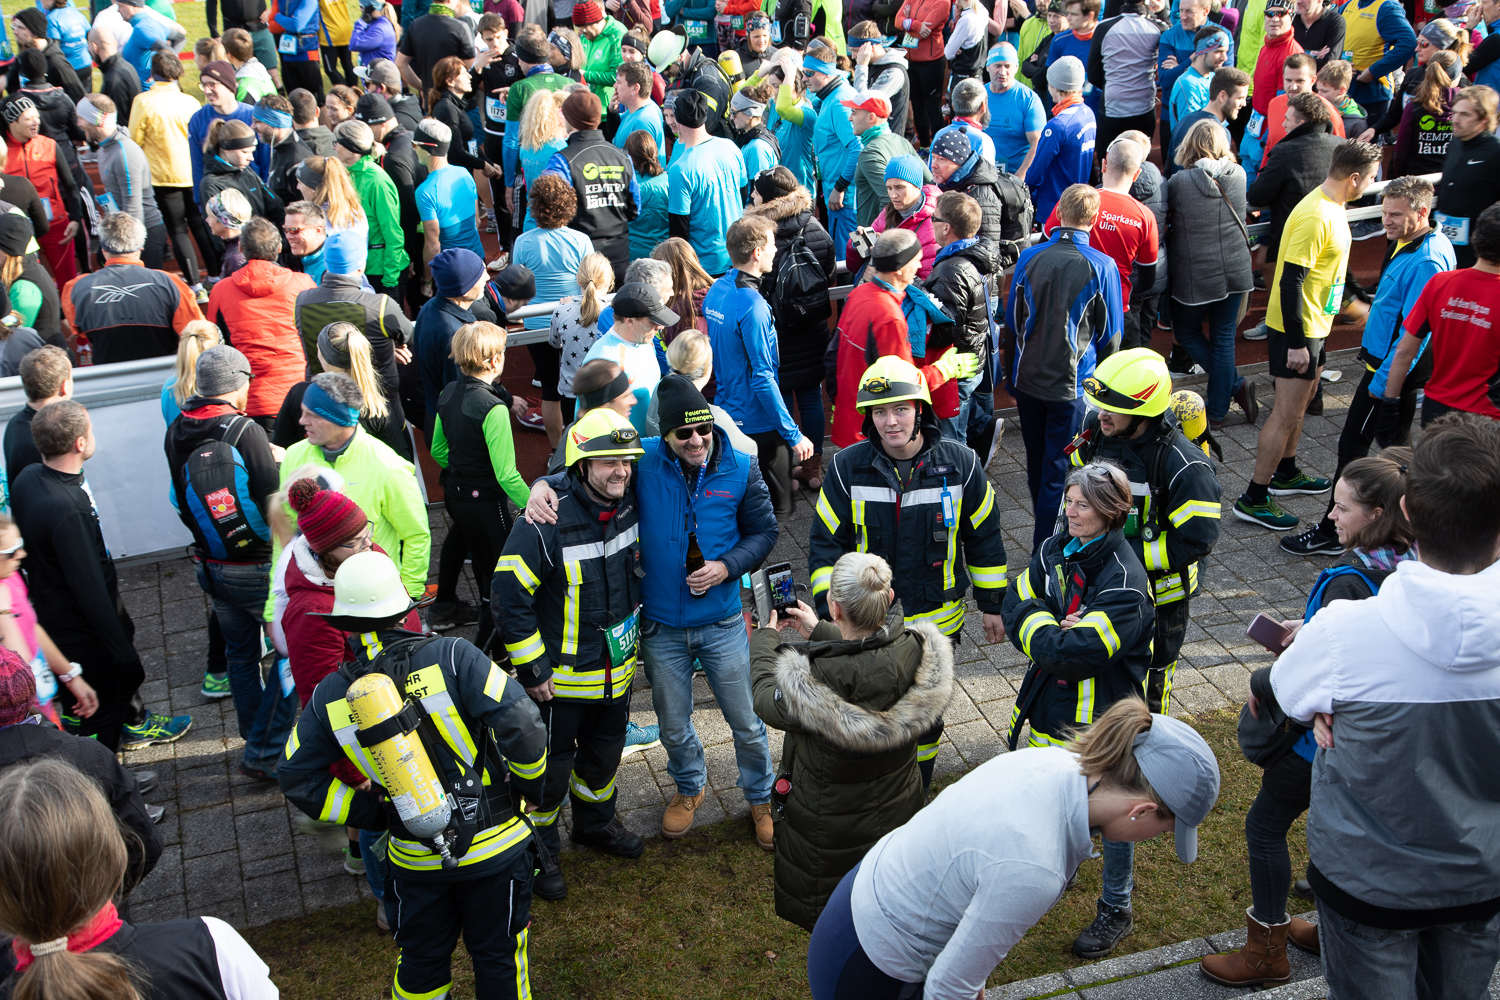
<point>377,193</point>
<point>833,23</point>
<point>385,486</point>
<point>1252,37</point>
<point>853,712</point>
<point>601,57</point>
<point>1033,30</point>
<point>869,173</point>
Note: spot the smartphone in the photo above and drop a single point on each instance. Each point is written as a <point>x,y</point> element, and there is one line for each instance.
<point>1270,633</point>
<point>782,586</point>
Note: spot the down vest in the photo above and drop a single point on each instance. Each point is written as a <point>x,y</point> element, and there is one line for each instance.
<point>801,350</point>
<point>853,712</point>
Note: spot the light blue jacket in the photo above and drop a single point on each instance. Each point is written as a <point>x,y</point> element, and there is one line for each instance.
<point>1403,279</point>
<point>834,141</point>
<point>746,356</point>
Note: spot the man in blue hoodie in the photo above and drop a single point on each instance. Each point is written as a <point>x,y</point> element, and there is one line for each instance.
<point>743,335</point>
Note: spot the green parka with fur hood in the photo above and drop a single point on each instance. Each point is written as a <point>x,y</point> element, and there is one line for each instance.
<point>853,712</point>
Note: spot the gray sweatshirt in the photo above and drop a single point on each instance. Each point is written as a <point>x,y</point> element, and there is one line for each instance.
<point>127,178</point>
<point>944,898</point>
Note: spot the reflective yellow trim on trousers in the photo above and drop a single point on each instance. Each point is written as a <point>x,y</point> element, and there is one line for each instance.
<point>1154,553</point>
<point>526,650</point>
<point>1084,712</point>
<point>529,770</point>
<point>1195,508</point>
<point>926,752</point>
<point>572,683</point>
<point>489,844</point>
<point>1169,674</point>
<point>397,993</point>
<point>822,578</point>
<point>336,803</point>
<point>524,576</point>
<point>1040,739</point>
<point>990,577</point>
<point>1034,621</point>
<point>949,618</point>
<point>1100,623</point>
<point>570,608</point>
<point>985,506</point>
<point>293,741</point>
<point>540,818</point>
<point>523,965</point>
<point>1170,588</point>
<point>825,511</point>
<point>580,788</point>
<point>1024,590</point>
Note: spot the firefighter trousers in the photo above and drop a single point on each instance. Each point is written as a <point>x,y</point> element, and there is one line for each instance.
<point>584,742</point>
<point>1171,627</point>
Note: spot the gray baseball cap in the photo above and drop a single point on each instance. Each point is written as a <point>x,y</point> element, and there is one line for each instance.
<point>221,370</point>
<point>1185,774</point>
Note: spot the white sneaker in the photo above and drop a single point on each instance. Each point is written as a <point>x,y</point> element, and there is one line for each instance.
<point>1256,332</point>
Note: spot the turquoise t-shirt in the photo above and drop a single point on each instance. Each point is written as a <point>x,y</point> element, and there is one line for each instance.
<point>706,182</point>
<point>796,143</point>
<point>638,362</point>
<point>553,256</point>
<point>447,198</point>
<point>532,162</point>
<point>758,156</point>
<point>1012,115</point>
<point>649,119</point>
<point>649,227</point>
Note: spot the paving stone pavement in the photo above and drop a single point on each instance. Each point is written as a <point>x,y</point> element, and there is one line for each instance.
<point>234,850</point>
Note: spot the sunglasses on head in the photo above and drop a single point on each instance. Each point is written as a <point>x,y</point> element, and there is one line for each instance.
<point>694,430</point>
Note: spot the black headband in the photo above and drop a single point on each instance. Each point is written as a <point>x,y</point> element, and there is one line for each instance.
<point>348,143</point>
<point>237,142</point>
<point>308,176</point>
<point>597,398</point>
<point>336,357</point>
<point>898,260</point>
<point>425,141</point>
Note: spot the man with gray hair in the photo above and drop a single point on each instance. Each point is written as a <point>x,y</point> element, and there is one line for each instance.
<point>124,172</point>
<point>970,116</point>
<point>126,309</point>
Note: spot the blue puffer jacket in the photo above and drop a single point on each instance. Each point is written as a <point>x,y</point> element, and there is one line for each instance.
<point>746,357</point>
<point>1406,273</point>
<point>734,521</point>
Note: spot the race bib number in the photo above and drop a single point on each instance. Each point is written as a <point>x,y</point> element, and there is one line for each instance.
<point>1335,300</point>
<point>622,638</point>
<point>910,41</point>
<point>1256,125</point>
<point>494,109</point>
<point>46,682</point>
<point>1455,227</point>
<point>697,31</point>
<point>737,22</point>
<point>284,671</point>
<point>288,45</point>
<point>473,147</point>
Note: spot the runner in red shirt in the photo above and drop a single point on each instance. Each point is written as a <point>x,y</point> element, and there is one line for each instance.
<point>1125,229</point>
<point>1457,317</point>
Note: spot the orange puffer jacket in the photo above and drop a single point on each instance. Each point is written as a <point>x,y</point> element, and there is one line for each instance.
<point>256,305</point>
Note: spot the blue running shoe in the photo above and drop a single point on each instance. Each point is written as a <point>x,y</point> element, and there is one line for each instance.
<point>156,729</point>
<point>640,738</point>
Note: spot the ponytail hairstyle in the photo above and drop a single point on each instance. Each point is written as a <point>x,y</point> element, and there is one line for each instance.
<point>389,13</point>
<point>690,354</point>
<point>640,146</point>
<point>348,338</point>
<point>1441,75</point>
<point>221,129</point>
<point>197,337</point>
<point>596,276</point>
<point>1379,483</point>
<point>62,858</point>
<point>861,584</point>
<point>1106,750</point>
<point>336,195</point>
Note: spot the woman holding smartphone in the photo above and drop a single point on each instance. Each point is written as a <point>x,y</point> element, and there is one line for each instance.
<point>854,700</point>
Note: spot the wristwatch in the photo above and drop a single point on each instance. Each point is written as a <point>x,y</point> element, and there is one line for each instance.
<point>73,674</point>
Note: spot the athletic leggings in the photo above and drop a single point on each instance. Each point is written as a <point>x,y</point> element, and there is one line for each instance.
<point>927,97</point>
<point>837,966</point>
<point>339,54</point>
<point>179,210</point>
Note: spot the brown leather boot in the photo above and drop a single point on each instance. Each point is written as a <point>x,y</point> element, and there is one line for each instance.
<point>810,472</point>
<point>678,819</point>
<point>1262,960</point>
<point>1304,935</point>
<point>760,819</point>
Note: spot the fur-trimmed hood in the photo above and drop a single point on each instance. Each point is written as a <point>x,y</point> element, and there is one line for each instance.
<point>820,710</point>
<point>788,206</point>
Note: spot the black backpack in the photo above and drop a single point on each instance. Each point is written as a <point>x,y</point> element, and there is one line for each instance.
<point>215,494</point>
<point>1017,201</point>
<point>800,295</point>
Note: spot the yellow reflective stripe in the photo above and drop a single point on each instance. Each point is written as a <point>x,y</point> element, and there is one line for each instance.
<point>547,818</point>
<point>1075,457</point>
<point>451,726</point>
<point>985,506</point>
<point>524,576</point>
<point>580,788</point>
<point>926,751</point>
<point>1040,739</point>
<point>1170,588</point>
<point>494,684</point>
<point>1169,673</point>
<point>949,618</point>
<point>523,965</point>
<point>1195,508</point>
<point>535,770</point>
<point>992,577</point>
<point>1024,590</point>
<point>1099,622</point>
<point>292,743</point>
<point>373,645</point>
<point>397,993</point>
<point>1034,621</point>
<point>1085,710</point>
<point>488,844</point>
<point>1155,553</point>
<point>825,511</point>
<point>822,578</point>
<point>622,677</point>
<point>336,803</point>
<point>950,561</point>
<point>526,650</point>
<point>570,608</point>
<point>862,536</point>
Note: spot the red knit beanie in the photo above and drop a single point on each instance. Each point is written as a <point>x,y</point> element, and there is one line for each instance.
<point>17,688</point>
<point>325,517</point>
<point>588,12</point>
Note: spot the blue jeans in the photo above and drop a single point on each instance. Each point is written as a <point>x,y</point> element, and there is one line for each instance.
<point>1214,352</point>
<point>809,412</point>
<point>842,224</point>
<point>1047,426</point>
<point>374,869</point>
<point>1443,962</point>
<point>724,650</point>
<point>956,428</point>
<point>1119,872</point>
<point>264,713</point>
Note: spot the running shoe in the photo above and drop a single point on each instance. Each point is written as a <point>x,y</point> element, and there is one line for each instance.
<point>215,686</point>
<point>1268,514</point>
<point>1300,484</point>
<point>353,864</point>
<point>533,419</point>
<point>156,729</point>
<point>1256,332</point>
<point>640,738</point>
<point>443,616</point>
<point>1311,542</point>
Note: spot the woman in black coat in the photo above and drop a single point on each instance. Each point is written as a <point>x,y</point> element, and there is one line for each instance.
<point>229,162</point>
<point>776,195</point>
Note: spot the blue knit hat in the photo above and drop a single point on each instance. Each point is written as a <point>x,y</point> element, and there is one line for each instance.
<point>346,252</point>
<point>905,168</point>
<point>455,272</point>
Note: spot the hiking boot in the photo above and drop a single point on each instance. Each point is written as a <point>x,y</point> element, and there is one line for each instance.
<point>1244,398</point>
<point>1256,332</point>
<point>215,686</point>
<point>443,616</point>
<point>765,830</point>
<point>1304,935</point>
<point>1299,484</point>
<point>678,819</point>
<point>1101,936</point>
<point>1268,514</point>
<point>613,839</point>
<point>1262,959</point>
<point>1312,542</point>
<point>549,883</point>
<point>155,729</point>
<point>640,738</point>
<point>145,781</point>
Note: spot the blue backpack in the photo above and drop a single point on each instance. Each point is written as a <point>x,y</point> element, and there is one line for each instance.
<point>215,493</point>
<point>1315,598</point>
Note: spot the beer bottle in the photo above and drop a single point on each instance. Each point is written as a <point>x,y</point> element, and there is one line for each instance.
<point>694,561</point>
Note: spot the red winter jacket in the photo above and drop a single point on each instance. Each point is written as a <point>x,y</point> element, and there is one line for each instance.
<point>1274,53</point>
<point>920,222</point>
<point>871,325</point>
<point>256,307</point>
<point>935,13</point>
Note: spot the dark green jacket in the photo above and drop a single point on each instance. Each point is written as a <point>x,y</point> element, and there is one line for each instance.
<point>853,712</point>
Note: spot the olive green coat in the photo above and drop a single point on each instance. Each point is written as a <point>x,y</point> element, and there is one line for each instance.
<point>852,711</point>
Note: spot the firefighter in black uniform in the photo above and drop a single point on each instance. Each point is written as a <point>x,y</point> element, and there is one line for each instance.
<point>567,597</point>
<point>488,747</point>
<point>1175,521</point>
<point>914,499</point>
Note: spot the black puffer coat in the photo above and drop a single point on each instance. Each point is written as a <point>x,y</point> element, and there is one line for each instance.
<point>1005,209</point>
<point>801,349</point>
<point>853,712</point>
<point>958,280</point>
